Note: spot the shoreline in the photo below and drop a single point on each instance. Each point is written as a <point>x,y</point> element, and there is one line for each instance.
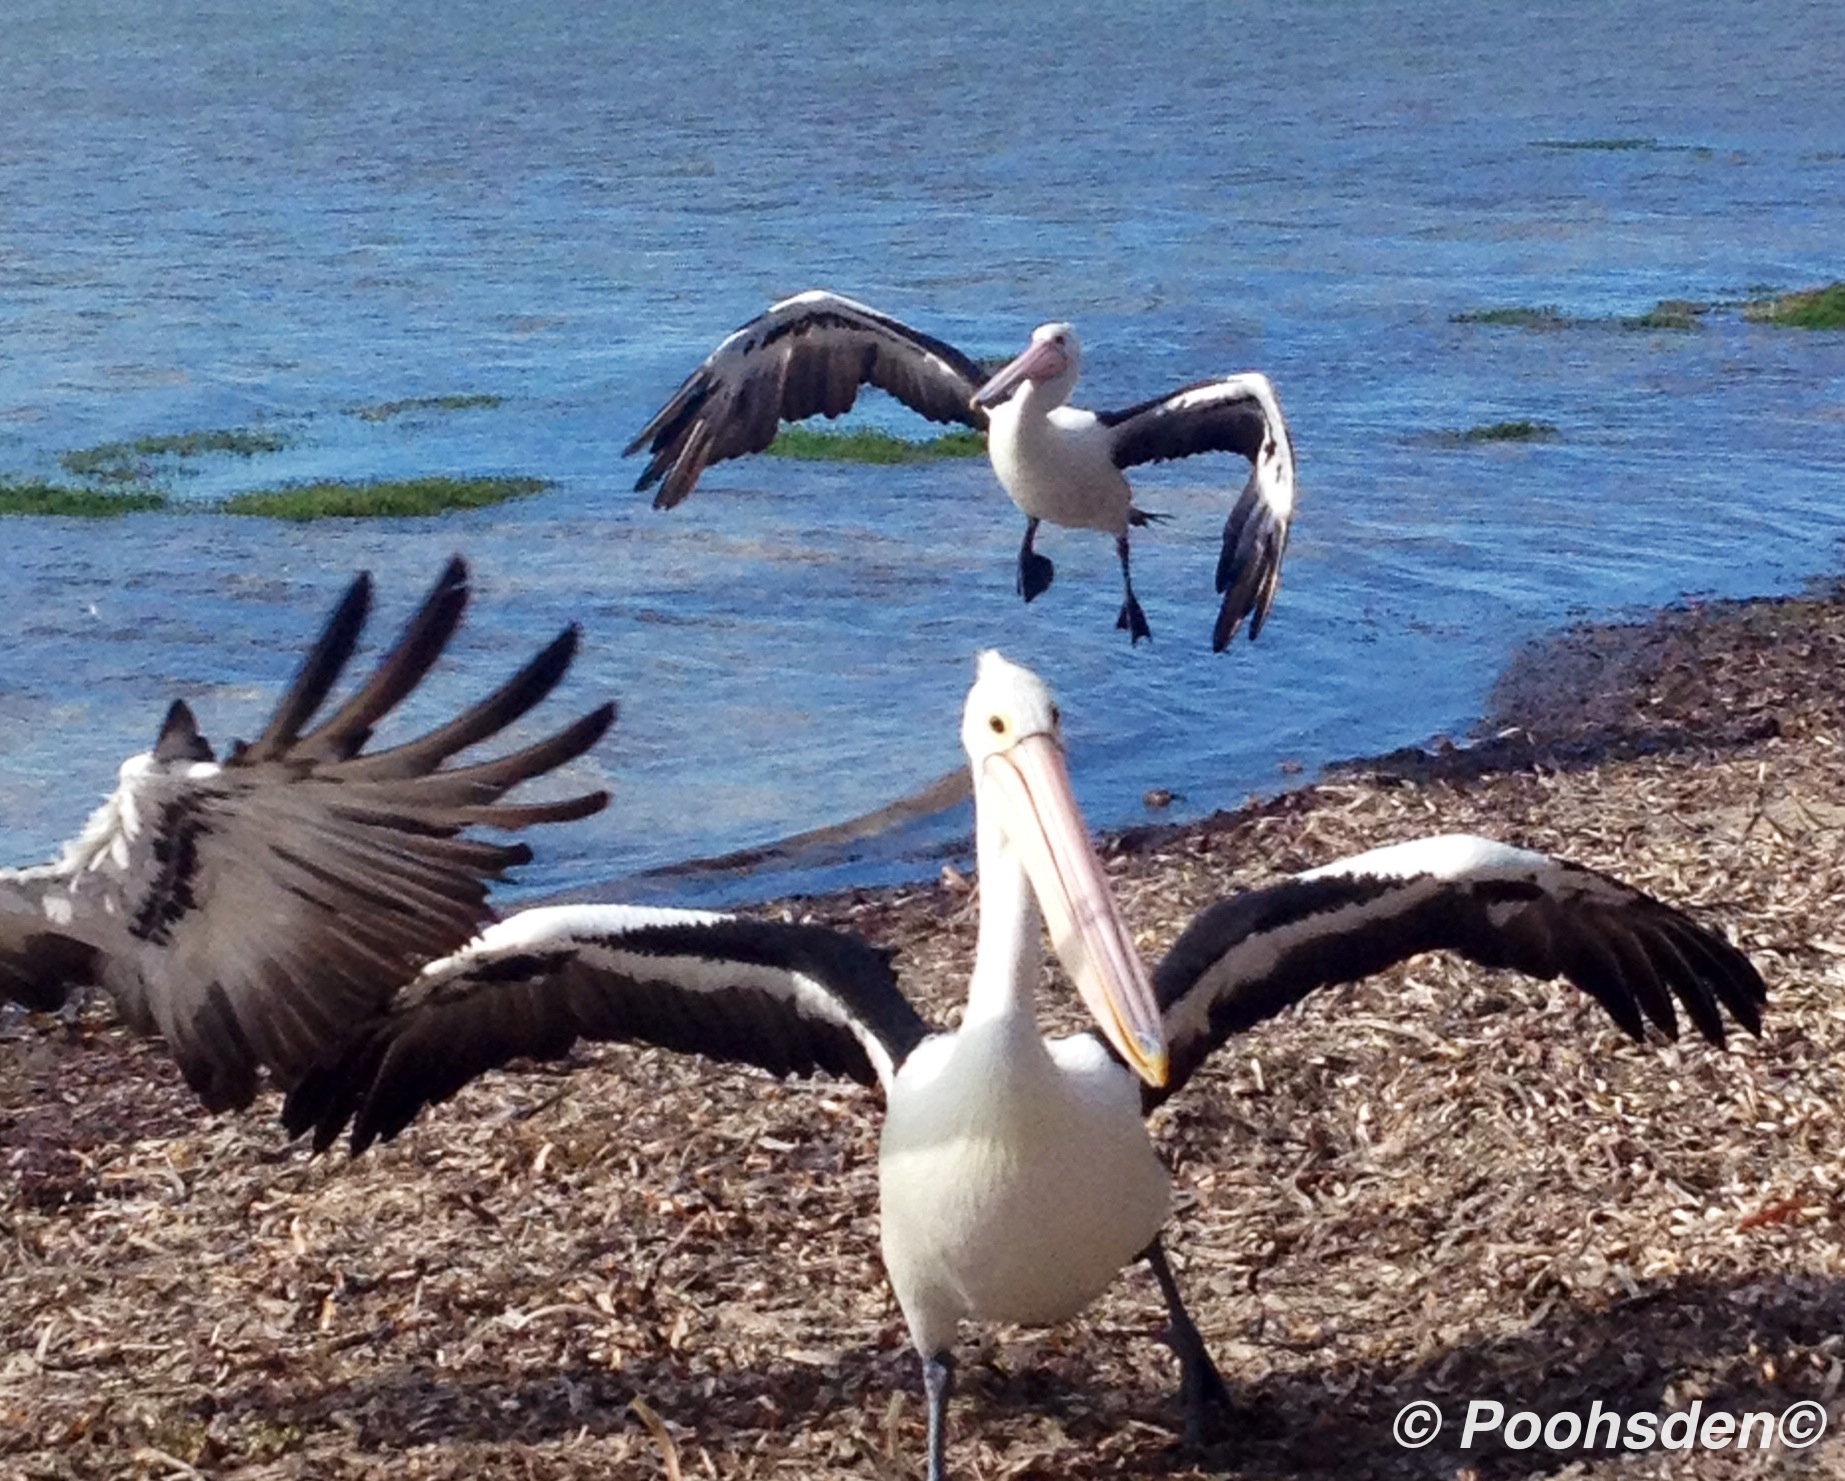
<point>1437,1184</point>
<point>1588,695</point>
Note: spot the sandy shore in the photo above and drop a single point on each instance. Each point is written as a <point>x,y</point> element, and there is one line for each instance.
<point>1442,1184</point>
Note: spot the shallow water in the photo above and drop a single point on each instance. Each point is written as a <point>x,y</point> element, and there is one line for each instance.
<point>217,216</point>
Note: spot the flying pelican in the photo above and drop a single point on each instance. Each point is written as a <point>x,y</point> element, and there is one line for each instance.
<point>249,910</point>
<point>808,355</point>
<point>1016,1175</point>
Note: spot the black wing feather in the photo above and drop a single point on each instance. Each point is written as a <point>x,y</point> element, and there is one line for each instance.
<point>723,988</point>
<point>1250,957</point>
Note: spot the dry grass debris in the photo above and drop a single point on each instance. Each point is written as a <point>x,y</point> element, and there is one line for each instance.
<point>1440,1184</point>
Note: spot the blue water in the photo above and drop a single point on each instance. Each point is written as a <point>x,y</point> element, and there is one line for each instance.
<point>219,215</point>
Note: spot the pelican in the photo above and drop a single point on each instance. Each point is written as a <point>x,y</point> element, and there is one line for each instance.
<point>1016,1174</point>
<point>810,354</point>
<point>249,910</point>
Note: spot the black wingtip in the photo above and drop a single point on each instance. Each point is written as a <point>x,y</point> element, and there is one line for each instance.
<point>318,671</point>
<point>454,574</point>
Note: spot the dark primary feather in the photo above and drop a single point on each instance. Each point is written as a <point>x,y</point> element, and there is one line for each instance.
<point>179,738</point>
<point>325,661</point>
<point>1255,954</point>
<point>259,912</point>
<point>344,733</point>
<point>686,986</point>
<point>806,356</point>
<point>1249,564</point>
<point>508,703</point>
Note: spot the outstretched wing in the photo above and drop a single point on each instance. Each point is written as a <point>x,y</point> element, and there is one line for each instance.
<point>1249,957</point>
<point>256,912</point>
<point>1236,414</point>
<point>793,999</point>
<point>807,356</point>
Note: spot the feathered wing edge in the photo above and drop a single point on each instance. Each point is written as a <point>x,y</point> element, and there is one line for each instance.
<point>789,998</point>
<point>804,356</point>
<point>1255,954</point>
<point>294,891</point>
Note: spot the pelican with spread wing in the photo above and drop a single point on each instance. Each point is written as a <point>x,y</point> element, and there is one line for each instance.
<point>809,355</point>
<point>1016,1174</point>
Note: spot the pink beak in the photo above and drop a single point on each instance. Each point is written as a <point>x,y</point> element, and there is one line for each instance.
<point>1032,795</point>
<point>1042,361</point>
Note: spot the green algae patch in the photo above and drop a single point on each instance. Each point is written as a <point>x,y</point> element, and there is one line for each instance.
<point>1631,144</point>
<point>382,499</point>
<point>1669,313</point>
<point>1521,431</point>
<point>34,496</point>
<point>384,411</point>
<point>1813,308</point>
<point>869,445</point>
<point>1546,316</point>
<point>134,461</point>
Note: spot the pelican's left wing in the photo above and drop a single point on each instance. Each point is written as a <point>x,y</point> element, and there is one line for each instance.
<point>254,911</point>
<point>792,999</point>
<point>1247,958</point>
<point>1235,414</point>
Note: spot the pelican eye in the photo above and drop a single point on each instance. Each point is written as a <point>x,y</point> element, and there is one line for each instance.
<point>997,724</point>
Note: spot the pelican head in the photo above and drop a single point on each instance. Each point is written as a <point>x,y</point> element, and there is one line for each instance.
<point>1013,734</point>
<point>1054,358</point>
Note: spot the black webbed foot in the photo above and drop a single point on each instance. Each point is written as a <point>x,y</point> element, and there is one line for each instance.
<point>1035,573</point>
<point>1132,620</point>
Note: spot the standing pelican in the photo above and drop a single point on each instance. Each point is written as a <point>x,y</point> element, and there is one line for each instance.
<point>808,355</point>
<point>1016,1175</point>
<point>250,910</point>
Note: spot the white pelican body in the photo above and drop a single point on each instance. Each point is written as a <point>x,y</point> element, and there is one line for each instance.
<point>1015,1173</point>
<point>1054,461</point>
<point>809,355</point>
<point>1016,1180</point>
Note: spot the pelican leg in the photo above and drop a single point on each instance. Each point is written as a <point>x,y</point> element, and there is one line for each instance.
<point>1201,1386</point>
<point>1132,620</point>
<point>1035,571</point>
<point>938,1379</point>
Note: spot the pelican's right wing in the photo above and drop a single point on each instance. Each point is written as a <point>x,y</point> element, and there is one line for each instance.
<point>792,999</point>
<point>807,356</point>
<point>1233,414</point>
<point>1247,958</point>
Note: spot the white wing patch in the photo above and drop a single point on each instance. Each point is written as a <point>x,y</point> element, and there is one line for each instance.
<point>594,933</point>
<point>566,926</point>
<point>1257,957</point>
<point>1447,856</point>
